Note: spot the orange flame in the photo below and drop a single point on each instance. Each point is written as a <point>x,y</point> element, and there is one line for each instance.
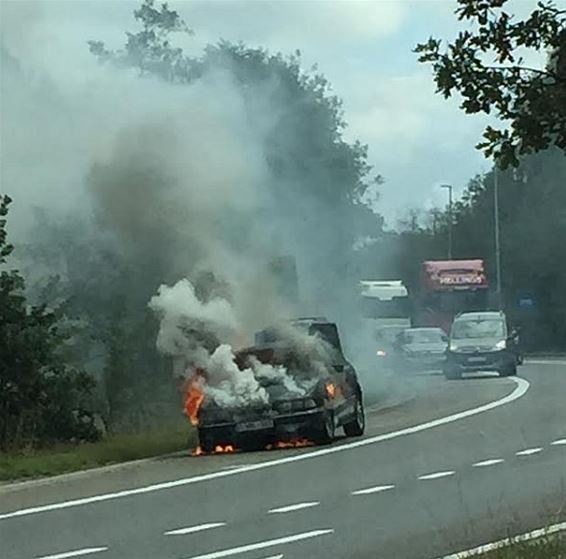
<point>194,397</point>
<point>219,449</point>
<point>331,389</point>
<point>293,443</point>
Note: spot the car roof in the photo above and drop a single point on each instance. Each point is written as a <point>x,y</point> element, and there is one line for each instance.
<point>427,329</point>
<point>483,315</point>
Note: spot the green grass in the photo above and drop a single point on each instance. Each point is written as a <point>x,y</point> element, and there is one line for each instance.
<point>112,450</point>
<point>547,547</point>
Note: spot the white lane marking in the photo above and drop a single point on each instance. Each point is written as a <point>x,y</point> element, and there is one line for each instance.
<point>370,490</point>
<point>191,529</point>
<point>263,545</point>
<point>437,475</point>
<point>76,553</point>
<point>507,541</point>
<point>491,462</point>
<point>275,556</point>
<point>558,442</point>
<point>291,508</point>
<point>529,451</point>
<point>520,390</point>
<point>541,362</point>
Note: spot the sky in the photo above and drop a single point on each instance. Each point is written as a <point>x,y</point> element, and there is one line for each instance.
<point>417,140</point>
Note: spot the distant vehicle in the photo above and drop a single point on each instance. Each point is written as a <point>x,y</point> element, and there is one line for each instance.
<point>422,348</point>
<point>384,300</point>
<point>447,288</point>
<point>387,347</point>
<point>481,341</point>
<point>333,400</point>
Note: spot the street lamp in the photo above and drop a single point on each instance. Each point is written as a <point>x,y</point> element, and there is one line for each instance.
<point>449,187</point>
<point>497,241</point>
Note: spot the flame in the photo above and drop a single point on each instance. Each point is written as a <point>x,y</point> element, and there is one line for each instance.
<point>219,449</point>
<point>293,443</point>
<point>194,397</point>
<point>331,389</point>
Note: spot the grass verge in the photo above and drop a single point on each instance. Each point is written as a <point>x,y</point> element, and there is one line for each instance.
<point>62,459</point>
<point>547,547</point>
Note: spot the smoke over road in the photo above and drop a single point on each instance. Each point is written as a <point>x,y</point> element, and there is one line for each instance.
<point>143,182</point>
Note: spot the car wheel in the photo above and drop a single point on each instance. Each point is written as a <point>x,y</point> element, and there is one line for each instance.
<point>326,433</point>
<point>209,440</point>
<point>452,374</point>
<point>356,427</point>
<point>509,371</point>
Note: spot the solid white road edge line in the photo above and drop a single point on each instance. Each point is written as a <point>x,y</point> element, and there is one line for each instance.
<point>558,442</point>
<point>542,362</point>
<point>507,541</point>
<point>437,475</point>
<point>491,462</point>
<point>520,390</point>
<point>76,553</point>
<point>370,490</point>
<point>262,545</point>
<point>298,506</point>
<point>528,451</point>
<point>192,529</point>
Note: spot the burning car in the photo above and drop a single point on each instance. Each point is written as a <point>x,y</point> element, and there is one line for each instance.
<point>311,390</point>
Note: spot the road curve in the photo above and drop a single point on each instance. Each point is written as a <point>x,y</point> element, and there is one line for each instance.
<point>462,464</point>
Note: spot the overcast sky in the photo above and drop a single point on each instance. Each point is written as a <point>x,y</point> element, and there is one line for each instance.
<point>417,139</point>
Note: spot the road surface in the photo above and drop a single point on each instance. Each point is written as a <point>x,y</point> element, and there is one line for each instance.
<point>464,463</point>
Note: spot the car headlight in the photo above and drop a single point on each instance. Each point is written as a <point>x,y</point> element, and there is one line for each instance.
<point>309,403</point>
<point>453,346</point>
<point>380,353</point>
<point>500,345</point>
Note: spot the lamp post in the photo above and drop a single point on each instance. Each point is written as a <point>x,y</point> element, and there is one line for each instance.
<point>449,187</point>
<point>497,241</point>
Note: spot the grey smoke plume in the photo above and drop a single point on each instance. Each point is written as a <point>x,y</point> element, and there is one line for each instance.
<point>175,181</point>
<point>195,333</point>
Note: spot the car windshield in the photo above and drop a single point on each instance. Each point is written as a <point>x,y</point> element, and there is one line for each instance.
<point>388,336</point>
<point>492,328</point>
<point>422,337</point>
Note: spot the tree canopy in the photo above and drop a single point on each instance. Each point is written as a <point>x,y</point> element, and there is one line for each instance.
<point>42,400</point>
<point>487,64</point>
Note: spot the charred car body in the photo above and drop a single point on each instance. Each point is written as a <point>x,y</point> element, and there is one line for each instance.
<point>306,404</point>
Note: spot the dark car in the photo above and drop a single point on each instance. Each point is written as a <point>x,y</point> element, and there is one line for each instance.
<point>387,347</point>
<point>422,348</point>
<point>332,397</point>
<point>481,341</point>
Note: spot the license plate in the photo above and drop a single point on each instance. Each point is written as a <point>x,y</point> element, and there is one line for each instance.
<point>255,425</point>
<point>476,359</point>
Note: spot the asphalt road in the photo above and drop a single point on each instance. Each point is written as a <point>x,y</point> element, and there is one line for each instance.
<point>464,463</point>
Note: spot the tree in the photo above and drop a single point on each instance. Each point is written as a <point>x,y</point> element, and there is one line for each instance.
<point>42,400</point>
<point>486,66</point>
<point>533,228</point>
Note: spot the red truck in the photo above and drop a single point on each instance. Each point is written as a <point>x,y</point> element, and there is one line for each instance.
<point>447,288</point>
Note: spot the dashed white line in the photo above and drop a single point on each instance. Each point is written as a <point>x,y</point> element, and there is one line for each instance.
<point>370,490</point>
<point>280,556</point>
<point>262,545</point>
<point>75,553</point>
<point>520,390</point>
<point>485,463</point>
<point>437,475</point>
<point>192,529</point>
<point>559,442</point>
<point>529,451</point>
<point>291,508</point>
